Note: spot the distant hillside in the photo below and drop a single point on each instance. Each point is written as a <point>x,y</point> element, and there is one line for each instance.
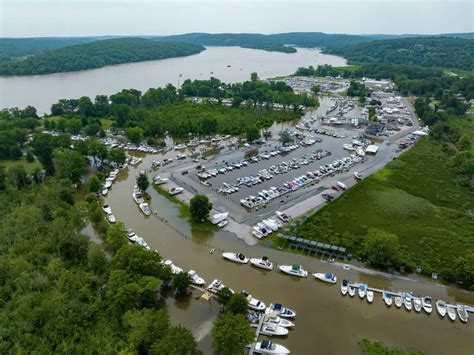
<point>443,52</point>
<point>95,55</point>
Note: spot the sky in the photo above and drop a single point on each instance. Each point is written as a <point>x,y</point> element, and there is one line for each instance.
<point>39,18</point>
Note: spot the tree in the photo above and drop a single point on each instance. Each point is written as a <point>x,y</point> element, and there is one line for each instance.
<point>134,134</point>
<point>177,341</point>
<point>372,116</point>
<point>237,304</point>
<point>94,184</point>
<point>253,77</point>
<point>142,182</point>
<point>117,155</point>
<point>267,134</point>
<point>117,236</point>
<point>223,296</point>
<point>181,282</point>
<point>315,89</point>
<point>96,259</point>
<point>69,164</point>
<point>200,207</point>
<point>252,134</point>
<point>2,178</point>
<point>97,149</point>
<point>231,334</point>
<point>285,137</point>
<point>18,176</point>
<point>381,248</point>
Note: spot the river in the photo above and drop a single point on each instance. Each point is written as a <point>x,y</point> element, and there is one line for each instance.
<point>229,64</point>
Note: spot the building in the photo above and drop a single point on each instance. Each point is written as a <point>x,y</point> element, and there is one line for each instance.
<point>376,129</point>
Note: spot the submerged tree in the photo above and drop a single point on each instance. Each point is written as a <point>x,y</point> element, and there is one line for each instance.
<point>142,182</point>
<point>200,207</point>
<point>231,334</point>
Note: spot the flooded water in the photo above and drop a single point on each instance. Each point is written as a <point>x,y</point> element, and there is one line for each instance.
<point>326,322</point>
<point>229,64</point>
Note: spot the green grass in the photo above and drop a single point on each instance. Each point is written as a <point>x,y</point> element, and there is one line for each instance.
<point>414,197</point>
<point>106,123</point>
<point>29,167</point>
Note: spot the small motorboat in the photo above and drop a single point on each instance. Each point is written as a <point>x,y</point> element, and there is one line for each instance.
<point>427,304</point>
<point>344,287</point>
<point>106,208</point>
<point>398,301</point>
<point>160,180</point>
<point>217,285</point>
<point>269,347</point>
<point>463,315</point>
<point>283,311</point>
<point>387,298</point>
<point>451,312</point>
<point>111,218</point>
<point>222,224</point>
<point>362,290</point>
<point>262,263</point>
<point>329,278</point>
<point>441,307</point>
<point>105,192</point>
<point>357,176</point>
<point>407,301</point>
<point>253,303</point>
<point>219,217</point>
<point>294,270</point>
<point>274,318</point>
<point>145,208</point>
<point>174,269</point>
<point>417,304</point>
<point>175,190</point>
<point>370,296</point>
<point>352,290</point>
<point>271,329</point>
<point>283,216</point>
<point>236,257</point>
<point>195,279</point>
<point>137,197</point>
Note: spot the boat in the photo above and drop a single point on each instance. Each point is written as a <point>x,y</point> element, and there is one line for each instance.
<point>451,312</point>
<point>236,257</point>
<point>106,208</point>
<point>294,270</point>
<point>352,290</point>
<point>349,147</point>
<point>111,218</point>
<point>262,263</point>
<point>273,317</point>
<point>215,286</point>
<point>362,290</point>
<point>269,347</point>
<point>253,303</point>
<point>107,184</point>
<point>283,216</point>
<point>344,287</point>
<point>257,234</point>
<point>180,147</point>
<point>195,279</point>
<point>145,208</point>
<point>441,307</point>
<point>160,180</point>
<point>407,301</point>
<point>417,304</point>
<point>398,301</point>
<point>463,315</point>
<point>137,197</point>
<point>427,304</point>
<point>175,190</point>
<point>370,296</point>
<point>219,217</point>
<point>271,329</point>
<point>283,311</point>
<point>387,298</point>
<point>329,278</point>
<point>222,224</point>
<point>174,269</point>
<point>105,192</point>
<point>357,175</point>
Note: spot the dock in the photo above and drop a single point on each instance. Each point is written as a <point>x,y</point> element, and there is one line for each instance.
<point>205,293</point>
<point>257,333</point>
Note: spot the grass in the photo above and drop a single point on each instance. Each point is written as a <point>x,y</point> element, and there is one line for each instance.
<point>185,213</point>
<point>29,167</point>
<point>414,197</point>
<point>106,123</point>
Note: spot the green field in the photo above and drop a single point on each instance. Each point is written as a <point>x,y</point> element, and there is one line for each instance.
<point>29,167</point>
<point>414,197</point>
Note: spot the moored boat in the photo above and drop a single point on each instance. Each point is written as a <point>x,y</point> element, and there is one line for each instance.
<point>195,278</point>
<point>145,208</point>
<point>269,347</point>
<point>253,303</point>
<point>344,287</point>
<point>387,298</point>
<point>294,270</point>
<point>283,216</point>
<point>175,190</point>
<point>271,329</point>
<point>352,290</point>
<point>463,315</point>
<point>329,278</point>
<point>417,304</point>
<point>111,218</point>
<point>262,263</point>
<point>283,311</point>
<point>370,296</point>
<point>362,290</point>
<point>273,317</point>
<point>451,312</point>
<point>427,304</point>
<point>441,307</point>
<point>236,257</point>
<point>217,285</point>
<point>222,224</point>
<point>407,301</point>
<point>398,301</point>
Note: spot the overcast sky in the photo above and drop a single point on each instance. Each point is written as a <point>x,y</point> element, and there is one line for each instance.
<point>34,18</point>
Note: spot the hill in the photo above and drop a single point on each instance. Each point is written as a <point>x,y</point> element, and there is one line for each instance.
<point>95,55</point>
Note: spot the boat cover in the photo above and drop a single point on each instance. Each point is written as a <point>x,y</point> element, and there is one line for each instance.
<point>219,217</point>
<point>266,344</point>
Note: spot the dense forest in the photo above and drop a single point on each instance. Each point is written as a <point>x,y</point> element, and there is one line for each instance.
<point>453,53</point>
<point>95,55</point>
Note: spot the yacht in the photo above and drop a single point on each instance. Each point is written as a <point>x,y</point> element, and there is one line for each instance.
<point>180,147</point>
<point>195,279</point>
<point>253,303</point>
<point>427,304</point>
<point>463,315</point>
<point>407,301</point>
<point>107,184</point>
<point>329,278</point>
<point>111,218</point>
<point>387,298</point>
<point>271,329</point>
<point>137,197</point>
<point>174,269</point>
<point>217,285</point>
<point>349,147</point>
<point>417,304</point>
<point>362,290</point>
<point>352,290</point>
<point>451,312</point>
<point>236,257</point>
<point>160,180</point>
<point>441,307</point>
<point>398,301</point>
<point>294,270</point>
<point>262,263</point>
<point>283,216</point>
<point>283,311</point>
<point>175,190</point>
<point>370,296</point>
<point>106,208</point>
<point>222,224</point>
<point>145,208</point>
<point>282,322</point>
<point>269,347</point>
<point>257,234</point>
<point>105,192</point>
<point>344,287</point>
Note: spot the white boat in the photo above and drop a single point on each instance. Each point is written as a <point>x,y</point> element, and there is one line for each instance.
<point>427,304</point>
<point>257,234</point>
<point>175,190</point>
<point>160,180</point>
<point>195,279</point>
<point>145,208</point>
<point>352,290</point>
<point>370,296</point>
<point>272,224</point>
<point>111,218</point>
<point>463,315</point>
<point>441,307</point>
<point>179,147</point>
<point>174,269</point>
<point>106,208</point>
<point>387,298</point>
<point>451,312</point>
<point>398,301</point>
<point>262,263</point>
<point>283,216</point>
<point>269,347</point>
<point>105,192</point>
<point>236,257</point>
<point>222,224</point>
<point>283,311</point>
<point>294,270</point>
<point>362,290</point>
<point>407,301</point>
<point>253,303</point>
<point>219,217</point>
<point>137,197</point>
<point>273,317</point>
<point>357,175</point>
<point>271,329</point>
<point>417,304</point>
<point>107,184</point>
<point>329,278</point>
<point>349,147</point>
<point>344,287</point>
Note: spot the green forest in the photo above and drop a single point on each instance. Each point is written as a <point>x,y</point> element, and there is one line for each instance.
<point>96,55</point>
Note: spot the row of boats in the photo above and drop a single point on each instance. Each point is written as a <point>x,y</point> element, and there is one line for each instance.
<point>194,142</point>
<point>140,201</point>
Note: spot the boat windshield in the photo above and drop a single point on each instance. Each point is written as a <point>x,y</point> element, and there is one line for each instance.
<point>295,267</point>
<point>266,344</point>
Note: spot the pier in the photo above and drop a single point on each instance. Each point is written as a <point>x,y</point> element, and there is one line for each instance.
<point>257,333</point>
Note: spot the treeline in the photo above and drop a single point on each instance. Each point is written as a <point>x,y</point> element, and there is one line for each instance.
<point>95,55</point>
<point>441,52</point>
